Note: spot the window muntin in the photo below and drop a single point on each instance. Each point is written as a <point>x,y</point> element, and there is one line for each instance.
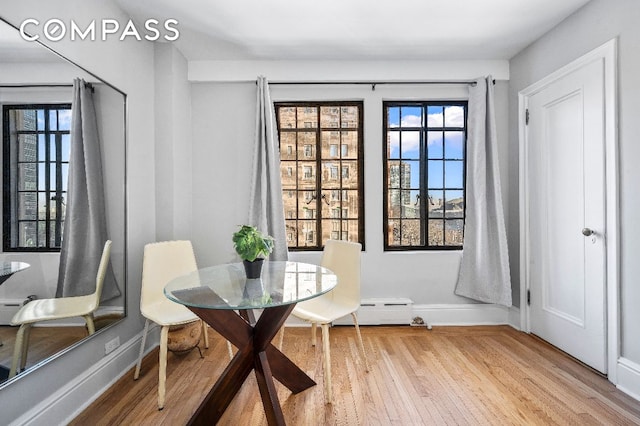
<point>321,144</point>
<point>36,163</point>
<point>424,159</point>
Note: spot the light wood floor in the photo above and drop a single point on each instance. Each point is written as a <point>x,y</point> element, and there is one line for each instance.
<point>450,375</point>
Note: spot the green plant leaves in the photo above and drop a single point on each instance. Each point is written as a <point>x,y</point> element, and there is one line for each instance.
<point>251,244</point>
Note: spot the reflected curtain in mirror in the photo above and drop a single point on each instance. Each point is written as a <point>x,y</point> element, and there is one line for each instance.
<point>85,226</point>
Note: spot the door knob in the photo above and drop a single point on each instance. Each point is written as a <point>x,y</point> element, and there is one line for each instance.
<point>587,232</point>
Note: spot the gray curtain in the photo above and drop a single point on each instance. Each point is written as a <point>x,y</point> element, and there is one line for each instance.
<point>85,224</point>
<point>484,269</point>
<point>266,210</point>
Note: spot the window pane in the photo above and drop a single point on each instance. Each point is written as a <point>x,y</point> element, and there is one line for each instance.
<point>27,147</point>
<point>40,119</point>
<point>349,173</point>
<point>66,140</point>
<point>410,204</point>
<point>287,146</point>
<point>27,177</point>
<point>306,233</point>
<point>52,178</point>
<point>436,204</point>
<point>42,148</point>
<point>453,147</point>
<point>411,233</point>
<point>52,233</point>
<point>306,146</point>
<point>454,232</point>
<point>349,144</point>
<point>411,116</point>
<point>330,174</point>
<point>43,202</point>
<point>27,235</point>
<point>435,116</point>
<point>25,119</point>
<point>287,117</point>
<point>435,174</point>
<point>454,116</point>
<point>289,201</point>
<point>393,144</point>
<point>393,232</point>
<point>330,144</point>
<point>42,176</point>
<point>288,175</point>
<point>291,232</point>
<point>410,144</point>
<point>394,204</point>
<point>330,117</point>
<point>27,206</point>
<point>393,117</point>
<point>42,234</point>
<point>435,145</point>
<point>53,120</point>
<point>453,174</point>
<point>307,118</point>
<point>349,117</point>
<point>454,204</point>
<point>64,119</point>
<point>436,232</point>
<point>306,175</point>
<point>351,201</point>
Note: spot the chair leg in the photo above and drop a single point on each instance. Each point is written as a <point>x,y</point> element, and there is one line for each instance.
<point>17,349</point>
<point>205,334</point>
<point>326,357</point>
<point>90,325</point>
<point>136,374</point>
<point>362,351</point>
<point>162,366</point>
<point>313,333</point>
<point>25,346</point>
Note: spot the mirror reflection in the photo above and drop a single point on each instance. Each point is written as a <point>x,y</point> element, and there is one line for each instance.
<point>62,266</point>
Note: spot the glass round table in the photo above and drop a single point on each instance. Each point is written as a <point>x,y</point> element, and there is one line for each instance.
<point>216,293</point>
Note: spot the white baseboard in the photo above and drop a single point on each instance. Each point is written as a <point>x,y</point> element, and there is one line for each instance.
<point>629,378</point>
<point>467,314</point>
<point>69,401</point>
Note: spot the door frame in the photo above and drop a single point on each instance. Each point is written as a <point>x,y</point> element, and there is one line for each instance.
<point>607,54</point>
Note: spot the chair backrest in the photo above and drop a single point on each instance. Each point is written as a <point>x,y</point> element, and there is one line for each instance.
<point>102,272</point>
<point>163,262</point>
<point>343,258</point>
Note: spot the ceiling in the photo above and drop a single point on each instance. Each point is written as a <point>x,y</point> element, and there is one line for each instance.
<point>355,29</point>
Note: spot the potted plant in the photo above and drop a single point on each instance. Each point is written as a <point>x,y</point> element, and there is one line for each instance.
<point>252,246</point>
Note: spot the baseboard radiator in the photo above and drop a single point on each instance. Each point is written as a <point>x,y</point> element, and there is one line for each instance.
<point>385,311</point>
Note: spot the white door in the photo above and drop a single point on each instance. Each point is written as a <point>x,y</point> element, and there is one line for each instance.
<point>566,210</point>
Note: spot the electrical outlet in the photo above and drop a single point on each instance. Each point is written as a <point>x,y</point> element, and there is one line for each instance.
<point>111,345</point>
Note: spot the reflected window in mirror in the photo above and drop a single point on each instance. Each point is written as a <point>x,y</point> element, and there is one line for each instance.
<point>35,168</point>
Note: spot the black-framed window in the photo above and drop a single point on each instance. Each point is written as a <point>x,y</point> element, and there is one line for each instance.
<point>424,174</point>
<point>322,169</point>
<point>36,144</point>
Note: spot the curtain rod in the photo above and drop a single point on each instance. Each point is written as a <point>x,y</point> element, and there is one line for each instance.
<point>87,84</point>
<point>373,84</point>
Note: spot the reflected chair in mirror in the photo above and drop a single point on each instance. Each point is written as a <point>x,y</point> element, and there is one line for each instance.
<point>162,262</point>
<point>40,310</point>
<point>343,259</point>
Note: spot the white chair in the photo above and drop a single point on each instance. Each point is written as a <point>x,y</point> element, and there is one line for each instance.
<point>163,262</point>
<point>343,258</point>
<point>52,309</point>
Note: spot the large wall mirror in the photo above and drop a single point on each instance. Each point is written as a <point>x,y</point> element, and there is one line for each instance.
<point>39,148</point>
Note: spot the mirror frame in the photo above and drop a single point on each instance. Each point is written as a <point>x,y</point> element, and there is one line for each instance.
<point>125,198</point>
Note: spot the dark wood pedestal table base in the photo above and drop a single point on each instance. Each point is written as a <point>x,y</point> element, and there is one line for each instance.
<point>215,293</point>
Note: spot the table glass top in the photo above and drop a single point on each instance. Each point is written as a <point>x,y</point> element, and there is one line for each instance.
<point>226,286</point>
<point>8,267</point>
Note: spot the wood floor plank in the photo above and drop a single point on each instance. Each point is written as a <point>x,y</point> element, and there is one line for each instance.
<point>447,376</point>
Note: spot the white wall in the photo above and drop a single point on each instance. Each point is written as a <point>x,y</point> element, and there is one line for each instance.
<point>223,130</point>
<point>594,24</point>
<point>129,66</point>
